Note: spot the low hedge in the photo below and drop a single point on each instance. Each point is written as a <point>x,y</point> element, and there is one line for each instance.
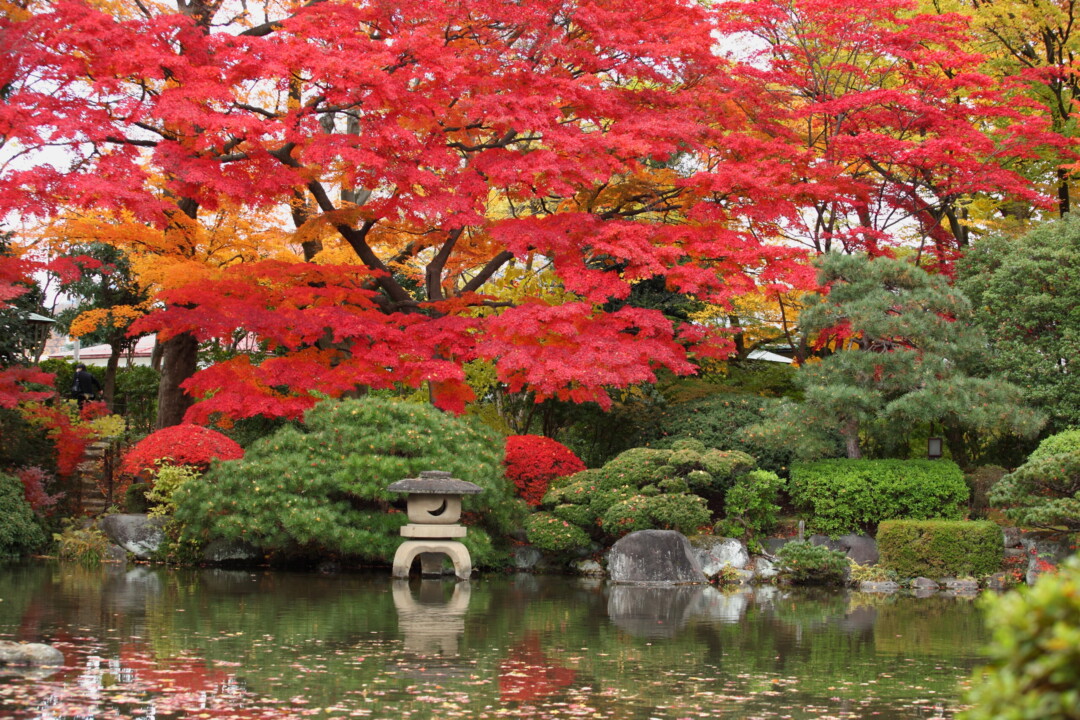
<point>940,548</point>
<point>842,496</point>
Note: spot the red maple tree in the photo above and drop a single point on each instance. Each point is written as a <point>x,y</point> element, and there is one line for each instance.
<point>429,145</point>
<point>421,149</point>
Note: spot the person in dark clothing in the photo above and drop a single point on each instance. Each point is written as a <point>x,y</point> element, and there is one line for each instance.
<point>84,386</point>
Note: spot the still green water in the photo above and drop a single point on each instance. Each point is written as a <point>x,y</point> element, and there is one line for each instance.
<point>164,644</point>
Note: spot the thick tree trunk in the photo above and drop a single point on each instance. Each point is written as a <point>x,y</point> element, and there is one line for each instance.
<point>110,374</point>
<point>179,357</point>
<point>954,436</point>
<point>850,432</point>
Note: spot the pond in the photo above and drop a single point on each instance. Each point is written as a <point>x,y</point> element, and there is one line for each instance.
<point>161,644</point>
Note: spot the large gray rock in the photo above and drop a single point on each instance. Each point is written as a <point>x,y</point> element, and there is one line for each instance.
<point>231,551</point>
<point>860,548</point>
<point>765,570</point>
<point>29,654</point>
<point>654,557</point>
<point>1045,552</point>
<point>140,535</point>
<point>716,553</point>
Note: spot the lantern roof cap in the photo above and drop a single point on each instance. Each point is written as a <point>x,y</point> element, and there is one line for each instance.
<point>435,482</point>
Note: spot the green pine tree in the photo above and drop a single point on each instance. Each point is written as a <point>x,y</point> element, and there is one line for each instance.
<point>900,350</point>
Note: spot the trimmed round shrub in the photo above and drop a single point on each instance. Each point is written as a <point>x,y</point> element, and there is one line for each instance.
<point>19,531</point>
<point>580,515</point>
<point>533,461</point>
<point>842,496</point>
<point>184,444</point>
<point>321,487</point>
<point>1034,668</point>
<point>940,548</point>
<point>803,563</point>
<point>630,515</point>
<point>647,488</point>
<point>553,534</point>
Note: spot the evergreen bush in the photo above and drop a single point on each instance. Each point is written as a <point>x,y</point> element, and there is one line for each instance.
<point>1044,492</point>
<point>1034,668</point>
<point>19,530</point>
<point>647,488</point>
<point>940,548</point>
<point>750,508</point>
<point>842,495</point>
<point>321,487</point>
<point>549,532</point>
<point>802,563</point>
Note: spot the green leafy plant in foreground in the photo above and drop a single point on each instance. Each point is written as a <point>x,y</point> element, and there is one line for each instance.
<point>1034,668</point>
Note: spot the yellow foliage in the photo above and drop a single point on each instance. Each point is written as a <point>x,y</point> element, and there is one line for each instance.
<point>119,316</point>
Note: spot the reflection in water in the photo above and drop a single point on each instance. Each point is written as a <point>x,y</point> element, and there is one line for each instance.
<point>174,645</point>
<point>431,625</point>
<point>652,612</point>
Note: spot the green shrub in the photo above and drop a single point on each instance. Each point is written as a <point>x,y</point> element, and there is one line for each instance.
<point>580,515</point>
<point>845,495</point>
<point>940,548</point>
<point>802,563</point>
<point>628,516</point>
<point>321,487</point>
<point>683,512</point>
<point>167,480</point>
<point>548,532</point>
<point>19,530</point>
<point>679,511</point>
<point>750,508</point>
<point>1044,492</point>
<point>1034,669</point>
<point>648,488</point>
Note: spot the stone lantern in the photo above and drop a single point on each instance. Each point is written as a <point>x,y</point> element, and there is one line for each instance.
<point>434,507</point>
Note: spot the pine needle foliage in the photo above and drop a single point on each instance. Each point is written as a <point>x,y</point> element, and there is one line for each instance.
<point>321,487</point>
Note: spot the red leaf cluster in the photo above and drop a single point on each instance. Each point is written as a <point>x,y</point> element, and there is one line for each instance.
<point>34,480</point>
<point>70,437</point>
<point>184,444</point>
<point>533,461</point>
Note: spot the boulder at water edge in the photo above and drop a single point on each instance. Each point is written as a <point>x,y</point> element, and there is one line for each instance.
<point>716,553</point>
<point>654,557</point>
<point>32,654</point>
<point>140,535</point>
